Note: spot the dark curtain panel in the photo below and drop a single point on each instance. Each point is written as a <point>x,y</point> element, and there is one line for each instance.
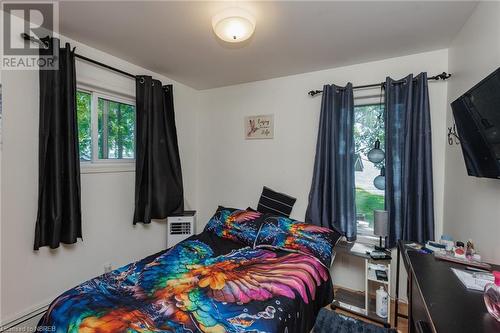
<point>409,186</point>
<point>158,177</point>
<point>59,212</point>
<point>331,198</point>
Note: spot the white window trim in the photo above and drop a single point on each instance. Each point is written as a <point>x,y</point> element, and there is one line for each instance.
<point>103,167</point>
<point>97,165</point>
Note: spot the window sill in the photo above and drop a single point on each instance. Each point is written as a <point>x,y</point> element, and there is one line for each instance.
<point>367,239</point>
<point>89,168</point>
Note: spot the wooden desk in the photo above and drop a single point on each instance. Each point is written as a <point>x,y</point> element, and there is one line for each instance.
<point>437,300</point>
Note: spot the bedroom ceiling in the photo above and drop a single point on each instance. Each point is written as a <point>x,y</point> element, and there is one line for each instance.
<point>291,37</point>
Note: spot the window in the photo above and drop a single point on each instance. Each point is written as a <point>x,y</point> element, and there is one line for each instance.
<point>83,103</point>
<point>368,127</point>
<point>106,127</point>
<point>116,129</point>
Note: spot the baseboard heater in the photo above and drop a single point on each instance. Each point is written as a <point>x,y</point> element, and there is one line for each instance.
<point>4,327</point>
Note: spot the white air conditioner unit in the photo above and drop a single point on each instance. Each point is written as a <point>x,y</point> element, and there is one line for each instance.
<point>180,227</point>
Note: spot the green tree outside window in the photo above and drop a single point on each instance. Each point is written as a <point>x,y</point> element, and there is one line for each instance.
<point>115,128</point>
<point>83,105</point>
<point>368,127</point>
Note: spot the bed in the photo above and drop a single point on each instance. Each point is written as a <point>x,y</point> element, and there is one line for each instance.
<point>204,284</point>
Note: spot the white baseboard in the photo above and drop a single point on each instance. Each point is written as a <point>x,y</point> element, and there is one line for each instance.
<point>24,322</point>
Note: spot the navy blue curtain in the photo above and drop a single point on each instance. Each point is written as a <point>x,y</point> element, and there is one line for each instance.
<point>409,185</point>
<point>331,198</point>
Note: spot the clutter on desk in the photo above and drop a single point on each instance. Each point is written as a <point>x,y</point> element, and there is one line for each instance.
<point>447,241</point>
<point>419,248</point>
<point>459,260</point>
<point>460,253</point>
<point>414,246</point>
<point>472,281</point>
<point>435,246</point>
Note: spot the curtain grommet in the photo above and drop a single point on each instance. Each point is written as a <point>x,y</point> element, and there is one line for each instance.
<point>142,80</point>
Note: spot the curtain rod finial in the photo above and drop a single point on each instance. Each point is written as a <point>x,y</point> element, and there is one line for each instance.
<point>313,93</point>
<point>443,76</point>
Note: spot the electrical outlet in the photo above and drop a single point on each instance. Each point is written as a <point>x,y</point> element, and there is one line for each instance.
<point>108,267</point>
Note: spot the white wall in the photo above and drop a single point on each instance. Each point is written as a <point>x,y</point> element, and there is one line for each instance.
<point>472,205</point>
<point>232,170</point>
<point>220,167</point>
<point>30,279</point>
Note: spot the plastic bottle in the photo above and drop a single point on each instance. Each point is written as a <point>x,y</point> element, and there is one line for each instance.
<point>381,303</point>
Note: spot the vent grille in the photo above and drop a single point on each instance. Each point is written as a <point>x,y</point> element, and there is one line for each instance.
<point>180,228</point>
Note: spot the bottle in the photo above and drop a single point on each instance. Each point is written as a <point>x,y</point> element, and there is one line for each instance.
<point>381,303</point>
<point>492,296</point>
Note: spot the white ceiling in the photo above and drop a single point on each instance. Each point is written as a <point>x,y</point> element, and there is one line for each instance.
<point>291,37</point>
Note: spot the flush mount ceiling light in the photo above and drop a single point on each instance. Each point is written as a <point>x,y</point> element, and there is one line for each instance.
<point>233,25</point>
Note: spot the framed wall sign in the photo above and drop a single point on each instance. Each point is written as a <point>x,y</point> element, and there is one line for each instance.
<point>259,127</point>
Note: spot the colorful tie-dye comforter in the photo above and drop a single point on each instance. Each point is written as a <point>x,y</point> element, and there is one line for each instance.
<point>204,284</point>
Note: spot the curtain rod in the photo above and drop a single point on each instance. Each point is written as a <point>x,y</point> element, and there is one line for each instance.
<point>443,76</point>
<point>32,39</point>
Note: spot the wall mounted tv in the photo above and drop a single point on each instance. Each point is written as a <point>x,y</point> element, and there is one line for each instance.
<point>477,116</point>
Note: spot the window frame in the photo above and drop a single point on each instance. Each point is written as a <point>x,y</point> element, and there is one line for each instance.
<point>96,164</point>
<point>367,237</point>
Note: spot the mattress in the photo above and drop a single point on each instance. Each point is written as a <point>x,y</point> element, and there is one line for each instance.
<point>203,284</point>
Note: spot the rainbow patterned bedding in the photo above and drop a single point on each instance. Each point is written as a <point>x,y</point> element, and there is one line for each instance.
<point>204,284</point>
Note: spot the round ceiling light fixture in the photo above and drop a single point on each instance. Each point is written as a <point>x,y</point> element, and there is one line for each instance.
<point>233,25</point>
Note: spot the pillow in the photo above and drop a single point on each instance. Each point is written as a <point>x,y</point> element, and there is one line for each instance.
<point>287,234</point>
<point>235,224</point>
<point>276,203</point>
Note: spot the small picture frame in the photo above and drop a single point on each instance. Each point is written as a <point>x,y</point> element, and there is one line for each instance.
<point>259,127</point>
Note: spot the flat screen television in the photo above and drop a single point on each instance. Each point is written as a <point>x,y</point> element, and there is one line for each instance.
<point>477,117</point>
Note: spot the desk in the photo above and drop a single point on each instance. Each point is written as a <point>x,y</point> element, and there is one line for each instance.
<point>437,300</point>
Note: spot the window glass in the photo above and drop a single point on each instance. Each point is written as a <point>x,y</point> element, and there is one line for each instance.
<point>113,136</point>
<point>83,104</point>
<point>116,129</point>
<point>368,127</point>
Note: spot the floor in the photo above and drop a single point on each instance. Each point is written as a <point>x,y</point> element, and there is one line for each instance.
<point>402,322</point>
